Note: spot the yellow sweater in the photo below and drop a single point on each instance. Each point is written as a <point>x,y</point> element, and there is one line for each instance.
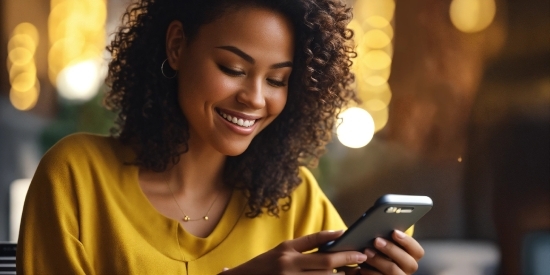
<point>85,213</point>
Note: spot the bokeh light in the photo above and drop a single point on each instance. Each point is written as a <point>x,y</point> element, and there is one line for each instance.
<point>377,60</point>
<point>364,9</point>
<point>373,35</point>
<point>471,16</point>
<point>77,39</point>
<point>24,100</point>
<point>356,127</point>
<point>376,39</point>
<point>25,87</point>
<point>80,81</point>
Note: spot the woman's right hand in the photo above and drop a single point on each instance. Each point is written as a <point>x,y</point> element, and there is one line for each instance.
<point>288,257</point>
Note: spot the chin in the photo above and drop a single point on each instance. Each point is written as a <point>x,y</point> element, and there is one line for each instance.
<point>233,150</point>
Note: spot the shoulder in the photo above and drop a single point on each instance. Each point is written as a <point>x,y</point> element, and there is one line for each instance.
<point>312,207</point>
<point>308,185</point>
<point>81,142</point>
<point>83,148</point>
<point>308,193</point>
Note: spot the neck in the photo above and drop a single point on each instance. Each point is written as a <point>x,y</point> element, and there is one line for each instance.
<point>199,171</point>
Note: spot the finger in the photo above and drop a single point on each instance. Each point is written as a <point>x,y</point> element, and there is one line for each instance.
<point>349,270</point>
<point>397,256</point>
<point>369,272</point>
<point>312,241</point>
<point>409,244</point>
<point>329,260</point>
<point>380,264</point>
<point>322,272</point>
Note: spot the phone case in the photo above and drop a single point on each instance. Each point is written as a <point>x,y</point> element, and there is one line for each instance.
<point>389,212</point>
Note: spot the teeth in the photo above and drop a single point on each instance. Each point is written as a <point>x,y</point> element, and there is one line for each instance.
<point>238,121</point>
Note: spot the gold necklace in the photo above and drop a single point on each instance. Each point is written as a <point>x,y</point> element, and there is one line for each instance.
<point>186,218</point>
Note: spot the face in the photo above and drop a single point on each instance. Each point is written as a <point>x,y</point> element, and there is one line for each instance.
<point>233,77</point>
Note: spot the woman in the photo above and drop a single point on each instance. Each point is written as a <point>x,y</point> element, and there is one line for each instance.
<point>219,104</point>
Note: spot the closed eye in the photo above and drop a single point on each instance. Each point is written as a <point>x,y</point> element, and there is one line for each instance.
<point>230,72</point>
<point>276,83</point>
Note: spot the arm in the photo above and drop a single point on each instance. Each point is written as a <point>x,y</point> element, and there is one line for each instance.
<point>288,257</point>
<point>49,234</point>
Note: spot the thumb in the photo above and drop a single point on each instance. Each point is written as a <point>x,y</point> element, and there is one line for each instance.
<point>309,242</point>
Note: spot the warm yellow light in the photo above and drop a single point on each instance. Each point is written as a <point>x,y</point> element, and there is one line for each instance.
<point>23,82</point>
<point>24,100</point>
<point>65,51</point>
<point>380,119</point>
<point>364,49</point>
<point>375,80</point>
<point>20,56</point>
<point>388,29</point>
<point>377,60</point>
<point>22,41</point>
<point>372,77</point>
<point>95,11</point>
<point>80,81</point>
<point>356,128</point>
<point>375,105</point>
<point>77,33</point>
<point>62,29</point>
<point>375,50</point>
<point>385,87</point>
<point>355,26</point>
<point>21,67</point>
<point>364,9</point>
<point>15,70</point>
<point>376,39</point>
<point>377,22</point>
<point>27,29</point>
<point>384,95</point>
<point>471,16</point>
<point>366,90</point>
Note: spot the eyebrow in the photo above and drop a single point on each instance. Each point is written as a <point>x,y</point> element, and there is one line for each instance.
<point>250,59</point>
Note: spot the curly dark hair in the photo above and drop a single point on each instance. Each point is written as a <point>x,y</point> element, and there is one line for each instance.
<point>151,121</point>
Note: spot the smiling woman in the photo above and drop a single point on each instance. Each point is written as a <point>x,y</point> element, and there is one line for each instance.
<point>219,104</point>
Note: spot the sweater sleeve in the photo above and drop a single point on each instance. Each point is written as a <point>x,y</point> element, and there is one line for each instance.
<point>49,233</point>
<point>318,212</point>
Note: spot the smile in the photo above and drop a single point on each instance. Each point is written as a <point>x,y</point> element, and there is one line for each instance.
<point>236,120</point>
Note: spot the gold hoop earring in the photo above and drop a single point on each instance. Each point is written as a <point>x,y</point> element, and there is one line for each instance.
<point>162,70</point>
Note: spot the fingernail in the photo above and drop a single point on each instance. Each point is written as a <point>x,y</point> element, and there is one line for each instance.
<point>361,258</point>
<point>370,253</point>
<point>379,242</point>
<point>400,234</point>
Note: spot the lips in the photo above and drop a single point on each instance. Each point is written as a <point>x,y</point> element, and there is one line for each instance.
<point>235,119</point>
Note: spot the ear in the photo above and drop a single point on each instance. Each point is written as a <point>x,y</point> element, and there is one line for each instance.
<point>175,42</point>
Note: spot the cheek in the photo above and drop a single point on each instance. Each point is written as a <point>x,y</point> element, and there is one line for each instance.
<point>206,85</point>
<point>278,103</point>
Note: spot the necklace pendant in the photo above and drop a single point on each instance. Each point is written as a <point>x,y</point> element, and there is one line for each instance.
<point>186,218</point>
<point>205,218</point>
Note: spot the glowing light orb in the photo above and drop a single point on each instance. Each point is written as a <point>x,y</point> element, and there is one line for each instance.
<point>471,16</point>
<point>356,128</point>
<point>81,81</point>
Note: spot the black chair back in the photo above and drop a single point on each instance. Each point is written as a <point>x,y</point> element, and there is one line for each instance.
<point>7,258</point>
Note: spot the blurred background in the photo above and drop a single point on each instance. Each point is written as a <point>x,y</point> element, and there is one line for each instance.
<point>456,106</point>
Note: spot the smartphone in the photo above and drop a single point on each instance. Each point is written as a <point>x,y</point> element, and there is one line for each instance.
<point>388,213</point>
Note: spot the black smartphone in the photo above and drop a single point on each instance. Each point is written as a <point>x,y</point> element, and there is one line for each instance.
<point>388,213</point>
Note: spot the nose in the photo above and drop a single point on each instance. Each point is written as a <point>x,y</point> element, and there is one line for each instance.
<point>252,95</point>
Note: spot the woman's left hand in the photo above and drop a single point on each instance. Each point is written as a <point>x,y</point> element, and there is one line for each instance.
<point>392,258</point>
